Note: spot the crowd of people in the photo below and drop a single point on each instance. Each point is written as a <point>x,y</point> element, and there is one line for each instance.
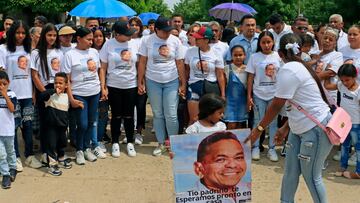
<point>59,82</point>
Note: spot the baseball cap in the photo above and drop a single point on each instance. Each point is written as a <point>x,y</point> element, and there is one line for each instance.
<point>203,33</point>
<point>66,30</point>
<point>121,27</point>
<point>163,24</point>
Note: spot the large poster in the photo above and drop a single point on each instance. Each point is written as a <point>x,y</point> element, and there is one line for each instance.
<point>212,167</point>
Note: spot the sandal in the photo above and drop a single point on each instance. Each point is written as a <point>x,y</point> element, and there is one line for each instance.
<point>351,175</point>
<point>340,172</point>
<point>66,163</point>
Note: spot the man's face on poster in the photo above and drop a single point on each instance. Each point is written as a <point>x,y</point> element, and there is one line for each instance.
<point>223,166</point>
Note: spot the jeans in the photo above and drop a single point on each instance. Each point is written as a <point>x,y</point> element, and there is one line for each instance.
<point>103,119</point>
<point>72,125</point>
<point>353,136</point>
<point>86,122</point>
<point>7,155</point>
<point>164,103</point>
<point>23,120</point>
<point>259,113</point>
<point>305,154</point>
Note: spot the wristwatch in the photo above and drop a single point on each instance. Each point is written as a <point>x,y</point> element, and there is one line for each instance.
<point>260,128</point>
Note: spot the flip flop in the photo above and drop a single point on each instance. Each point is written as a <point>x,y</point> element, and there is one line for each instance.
<point>340,172</point>
<point>351,175</point>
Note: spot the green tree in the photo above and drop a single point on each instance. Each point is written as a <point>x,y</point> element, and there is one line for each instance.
<point>192,10</point>
<point>156,6</point>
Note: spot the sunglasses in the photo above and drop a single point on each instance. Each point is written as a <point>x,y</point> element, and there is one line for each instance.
<point>93,29</point>
<point>301,28</point>
<point>134,25</point>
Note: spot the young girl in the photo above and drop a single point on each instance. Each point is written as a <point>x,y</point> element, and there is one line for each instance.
<point>211,110</point>
<point>350,100</point>
<point>262,69</point>
<point>236,111</point>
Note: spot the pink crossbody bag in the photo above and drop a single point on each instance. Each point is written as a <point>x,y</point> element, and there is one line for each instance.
<point>337,129</point>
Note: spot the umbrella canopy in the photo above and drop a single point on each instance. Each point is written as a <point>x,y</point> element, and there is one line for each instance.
<point>102,9</point>
<point>145,17</point>
<point>231,11</point>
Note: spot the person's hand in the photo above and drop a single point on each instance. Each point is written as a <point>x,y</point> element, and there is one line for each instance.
<point>77,104</point>
<point>182,91</point>
<point>141,89</point>
<point>57,90</point>
<point>104,94</point>
<point>280,135</point>
<point>171,154</point>
<point>3,89</point>
<point>250,104</point>
<point>254,135</point>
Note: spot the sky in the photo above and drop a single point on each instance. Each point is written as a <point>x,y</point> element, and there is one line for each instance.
<point>171,3</point>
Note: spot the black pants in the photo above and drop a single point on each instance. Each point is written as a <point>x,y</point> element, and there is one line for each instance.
<point>122,103</point>
<point>55,142</point>
<point>140,104</point>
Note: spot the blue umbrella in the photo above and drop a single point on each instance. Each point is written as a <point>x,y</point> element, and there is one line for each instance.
<point>231,11</point>
<point>102,9</point>
<point>145,17</point>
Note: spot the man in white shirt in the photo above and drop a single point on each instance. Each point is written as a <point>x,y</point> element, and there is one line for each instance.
<point>219,46</point>
<point>177,21</point>
<point>300,26</point>
<point>336,21</point>
<point>278,28</point>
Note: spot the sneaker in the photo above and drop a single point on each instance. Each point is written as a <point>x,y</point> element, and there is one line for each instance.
<point>13,173</point>
<point>115,152</point>
<point>352,160</point>
<point>102,147</point>
<point>32,162</point>
<point>89,155</point>
<point>138,139</point>
<point>54,170</point>
<point>272,155</point>
<point>98,152</point>
<point>65,163</point>
<point>159,150</point>
<point>255,154</point>
<point>124,141</point>
<point>19,166</point>
<point>337,156</point>
<point>80,157</point>
<point>43,160</point>
<point>6,182</point>
<point>131,150</point>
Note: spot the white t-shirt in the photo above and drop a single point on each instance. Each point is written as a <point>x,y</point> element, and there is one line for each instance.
<point>121,59</point>
<point>83,66</point>
<point>335,59</point>
<point>350,101</point>
<point>183,37</point>
<point>161,55</point>
<point>210,61</point>
<point>66,49</point>
<point>7,124</point>
<point>220,48</point>
<point>296,83</point>
<point>265,68</point>
<point>55,59</point>
<point>17,66</point>
<point>342,40</point>
<point>277,37</point>
<point>197,127</point>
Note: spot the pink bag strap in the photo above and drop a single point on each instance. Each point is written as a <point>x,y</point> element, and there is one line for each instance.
<point>329,97</point>
<point>311,117</point>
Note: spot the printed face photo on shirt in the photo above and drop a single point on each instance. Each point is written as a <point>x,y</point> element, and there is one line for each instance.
<point>22,62</point>
<point>161,53</point>
<point>267,73</point>
<point>55,64</point>
<point>88,69</point>
<point>122,59</point>
<point>91,65</point>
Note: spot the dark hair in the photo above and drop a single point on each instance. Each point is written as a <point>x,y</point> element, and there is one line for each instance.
<point>151,21</point>
<point>91,18</point>
<point>177,15</point>
<point>10,18</point>
<point>42,47</point>
<point>82,32</point>
<point>275,18</point>
<point>211,139</point>
<point>228,34</point>
<point>348,70</point>
<point>290,56</point>
<point>300,18</point>
<point>237,46</point>
<point>246,17</point>
<point>263,34</point>
<point>62,75</point>
<point>307,39</point>
<point>208,104</point>
<point>4,75</point>
<point>104,38</point>
<point>11,38</point>
<point>355,26</point>
<point>42,19</point>
<point>140,24</point>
